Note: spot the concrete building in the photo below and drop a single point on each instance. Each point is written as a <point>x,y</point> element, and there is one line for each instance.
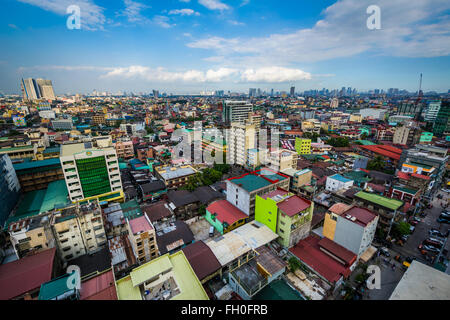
<point>9,188</point>
<point>124,149</point>
<point>372,113</point>
<point>169,277</point>
<point>281,159</point>
<point>337,182</point>
<point>432,111</point>
<point>426,160</point>
<point>406,135</point>
<point>299,178</point>
<point>422,282</point>
<point>303,146</point>
<point>240,138</point>
<point>353,228</point>
<point>236,111</point>
<point>62,124</point>
<point>78,230</point>
<point>174,177</point>
<point>242,190</point>
<point>142,237</point>
<point>31,235</point>
<point>91,172</point>
<point>311,125</point>
<point>286,214</point>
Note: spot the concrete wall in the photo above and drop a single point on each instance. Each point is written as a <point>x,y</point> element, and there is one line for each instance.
<point>348,234</point>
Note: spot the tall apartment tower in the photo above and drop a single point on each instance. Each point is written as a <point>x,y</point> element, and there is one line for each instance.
<point>34,89</point>
<point>292,91</point>
<point>236,111</point>
<point>30,90</point>
<point>240,138</point>
<point>46,89</point>
<point>91,172</point>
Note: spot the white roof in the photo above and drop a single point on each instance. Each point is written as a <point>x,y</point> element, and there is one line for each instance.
<point>421,282</point>
<point>238,242</point>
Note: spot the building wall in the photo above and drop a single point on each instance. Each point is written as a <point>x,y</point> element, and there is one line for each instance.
<point>266,212</point>
<point>9,188</point>
<point>214,222</point>
<point>329,225</point>
<point>348,234</point>
<point>303,146</point>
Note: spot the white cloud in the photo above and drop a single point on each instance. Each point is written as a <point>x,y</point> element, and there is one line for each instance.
<point>261,75</point>
<point>275,75</point>
<point>214,4</point>
<point>133,10</point>
<point>236,23</point>
<point>92,17</point>
<point>405,32</point>
<point>184,12</point>
<point>162,21</point>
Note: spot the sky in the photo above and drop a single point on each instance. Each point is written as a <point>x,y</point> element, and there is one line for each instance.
<point>189,46</point>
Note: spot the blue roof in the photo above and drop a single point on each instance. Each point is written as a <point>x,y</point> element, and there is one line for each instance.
<point>340,178</point>
<point>36,164</point>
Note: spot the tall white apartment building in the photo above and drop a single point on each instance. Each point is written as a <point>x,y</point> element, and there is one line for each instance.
<point>236,111</point>
<point>240,138</point>
<point>91,172</point>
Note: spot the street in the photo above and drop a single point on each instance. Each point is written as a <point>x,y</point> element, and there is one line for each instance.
<point>390,277</point>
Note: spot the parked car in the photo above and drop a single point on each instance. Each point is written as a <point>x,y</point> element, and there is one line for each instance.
<point>443,219</point>
<point>436,240</point>
<point>385,252</point>
<point>411,229</point>
<point>413,222</point>
<point>424,249</point>
<point>429,242</point>
<point>405,238</point>
<point>445,213</point>
<point>436,233</point>
<point>211,231</point>
<point>446,190</point>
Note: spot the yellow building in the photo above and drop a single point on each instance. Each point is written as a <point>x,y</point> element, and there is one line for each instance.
<point>303,146</point>
<point>169,277</point>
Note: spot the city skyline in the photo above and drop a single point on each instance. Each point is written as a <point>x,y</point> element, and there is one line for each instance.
<point>190,46</point>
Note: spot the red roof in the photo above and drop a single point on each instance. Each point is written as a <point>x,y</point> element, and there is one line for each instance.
<point>384,150</point>
<point>226,212</point>
<point>277,192</point>
<point>363,216</point>
<point>421,176</point>
<point>99,288</point>
<point>403,175</point>
<point>202,259</point>
<point>308,251</point>
<point>338,250</point>
<point>294,205</point>
<point>140,224</point>
<point>26,274</point>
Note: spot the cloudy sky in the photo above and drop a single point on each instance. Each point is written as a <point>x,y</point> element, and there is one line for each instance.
<point>188,46</point>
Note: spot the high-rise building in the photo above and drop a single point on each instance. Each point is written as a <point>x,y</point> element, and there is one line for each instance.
<point>252,92</point>
<point>91,172</point>
<point>292,91</point>
<point>34,89</point>
<point>156,93</point>
<point>432,111</point>
<point>334,103</point>
<point>46,89</point>
<point>236,111</point>
<point>240,138</point>
<point>442,122</point>
<point>9,188</point>
<point>30,90</point>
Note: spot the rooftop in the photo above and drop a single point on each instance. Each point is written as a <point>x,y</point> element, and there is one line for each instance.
<point>26,274</point>
<point>202,259</point>
<point>36,164</point>
<point>421,282</point>
<point>238,242</point>
<point>258,179</point>
<point>226,212</point>
<point>340,178</point>
<point>178,269</point>
<point>100,287</point>
<point>169,172</point>
<point>392,204</point>
<point>293,205</point>
<point>140,224</point>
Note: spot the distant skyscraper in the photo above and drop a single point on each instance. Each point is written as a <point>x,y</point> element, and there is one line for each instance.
<point>292,91</point>
<point>252,92</point>
<point>30,90</point>
<point>46,89</point>
<point>156,93</point>
<point>34,89</point>
<point>271,92</point>
<point>236,111</point>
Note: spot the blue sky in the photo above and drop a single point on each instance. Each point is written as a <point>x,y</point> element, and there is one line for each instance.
<point>188,46</point>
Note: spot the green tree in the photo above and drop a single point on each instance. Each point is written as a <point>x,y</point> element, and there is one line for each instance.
<point>402,228</point>
<point>376,164</point>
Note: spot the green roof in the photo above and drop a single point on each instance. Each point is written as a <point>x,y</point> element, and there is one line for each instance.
<point>366,142</point>
<point>407,190</point>
<point>251,182</point>
<point>16,148</point>
<point>56,196</point>
<point>389,203</point>
<point>131,209</point>
<point>54,288</point>
<point>359,176</point>
<point>36,164</point>
<point>29,206</point>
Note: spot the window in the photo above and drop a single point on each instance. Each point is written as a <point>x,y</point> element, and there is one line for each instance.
<point>281,230</point>
<point>39,234</point>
